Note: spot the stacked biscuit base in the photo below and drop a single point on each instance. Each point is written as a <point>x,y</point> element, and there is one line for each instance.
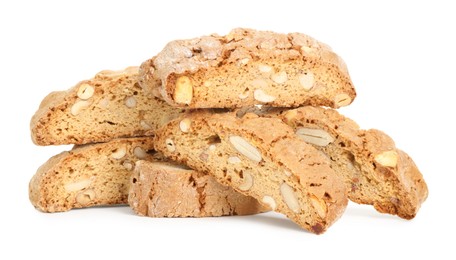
<point>222,125</point>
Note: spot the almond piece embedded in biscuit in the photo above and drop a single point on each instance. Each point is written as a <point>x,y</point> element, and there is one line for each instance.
<point>317,137</point>
<point>85,91</point>
<point>319,205</point>
<point>289,197</point>
<point>85,197</point>
<point>119,153</point>
<point>387,159</point>
<point>268,200</point>
<point>290,115</point>
<point>78,185</point>
<point>139,152</point>
<point>245,148</point>
<point>127,165</point>
<point>183,93</point>
<point>279,77</point>
<point>261,96</point>
<point>307,80</point>
<point>79,106</point>
<point>130,102</point>
<point>184,125</point>
<point>264,68</point>
<point>247,182</point>
<point>342,100</point>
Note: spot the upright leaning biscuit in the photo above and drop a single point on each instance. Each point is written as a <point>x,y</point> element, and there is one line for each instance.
<point>375,171</point>
<point>273,166</point>
<point>89,175</point>
<point>164,189</point>
<point>248,67</point>
<point>109,106</point>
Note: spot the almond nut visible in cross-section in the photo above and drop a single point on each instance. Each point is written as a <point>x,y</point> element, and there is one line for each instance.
<point>245,148</point>
<point>317,137</point>
<point>183,93</point>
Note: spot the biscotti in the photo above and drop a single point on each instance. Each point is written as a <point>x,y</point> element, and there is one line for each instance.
<point>273,166</point>
<point>109,106</point>
<point>375,171</point>
<point>89,175</point>
<point>248,67</point>
<point>164,189</point>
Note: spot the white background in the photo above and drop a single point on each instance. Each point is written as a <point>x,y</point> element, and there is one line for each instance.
<point>401,56</point>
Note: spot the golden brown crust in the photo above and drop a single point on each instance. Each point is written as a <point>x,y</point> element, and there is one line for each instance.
<point>248,67</point>
<point>375,171</point>
<point>170,190</point>
<point>262,158</point>
<point>89,175</point>
<point>112,105</point>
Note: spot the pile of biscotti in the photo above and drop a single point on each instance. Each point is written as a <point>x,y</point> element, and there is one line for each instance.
<point>222,125</point>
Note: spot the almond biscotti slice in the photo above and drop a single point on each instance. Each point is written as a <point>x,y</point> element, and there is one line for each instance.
<point>165,189</point>
<point>262,158</point>
<point>109,106</point>
<point>89,175</point>
<point>248,67</point>
<point>375,171</point>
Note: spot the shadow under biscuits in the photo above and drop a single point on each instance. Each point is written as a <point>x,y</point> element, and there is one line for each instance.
<point>367,211</point>
<point>120,208</point>
<point>266,218</point>
<point>274,219</point>
<point>123,209</point>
